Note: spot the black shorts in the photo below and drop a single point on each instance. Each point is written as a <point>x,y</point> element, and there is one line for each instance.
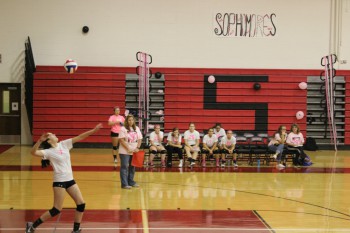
<point>65,184</point>
<point>224,151</point>
<point>113,135</point>
<point>205,151</point>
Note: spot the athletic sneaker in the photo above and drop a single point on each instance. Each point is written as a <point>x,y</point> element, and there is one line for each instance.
<point>76,231</point>
<point>235,164</point>
<point>192,163</point>
<point>223,165</point>
<point>29,227</point>
<point>280,166</point>
<point>115,161</point>
<point>181,162</point>
<point>136,185</point>
<point>126,187</point>
<point>275,156</point>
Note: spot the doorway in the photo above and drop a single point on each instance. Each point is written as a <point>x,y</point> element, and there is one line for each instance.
<point>10,113</point>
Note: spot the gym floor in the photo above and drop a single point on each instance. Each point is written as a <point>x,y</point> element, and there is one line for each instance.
<point>210,199</point>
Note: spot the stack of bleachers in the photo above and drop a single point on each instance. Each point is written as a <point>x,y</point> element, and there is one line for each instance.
<point>69,104</point>
<point>190,98</point>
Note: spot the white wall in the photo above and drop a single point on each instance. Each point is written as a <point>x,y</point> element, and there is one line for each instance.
<point>177,34</point>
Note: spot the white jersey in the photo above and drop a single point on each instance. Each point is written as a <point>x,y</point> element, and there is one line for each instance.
<point>191,137</point>
<point>60,160</point>
<point>157,139</point>
<point>130,137</point>
<point>228,142</point>
<point>220,133</point>
<point>296,139</point>
<point>174,140</point>
<point>210,140</point>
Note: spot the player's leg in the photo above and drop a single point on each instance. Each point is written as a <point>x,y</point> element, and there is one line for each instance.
<point>162,152</point>
<point>59,194</point>
<point>76,195</point>
<point>152,154</point>
<point>223,157</point>
<point>234,155</point>
<point>205,152</point>
<point>180,154</point>
<point>115,146</point>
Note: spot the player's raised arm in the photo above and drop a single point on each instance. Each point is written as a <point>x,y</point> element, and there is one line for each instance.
<point>35,149</point>
<point>87,133</point>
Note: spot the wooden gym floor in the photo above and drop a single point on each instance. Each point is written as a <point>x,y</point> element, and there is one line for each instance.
<point>246,199</point>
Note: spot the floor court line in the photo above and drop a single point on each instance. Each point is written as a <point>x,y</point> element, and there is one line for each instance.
<point>144,213</point>
<point>183,228</point>
<point>263,221</point>
<point>243,169</point>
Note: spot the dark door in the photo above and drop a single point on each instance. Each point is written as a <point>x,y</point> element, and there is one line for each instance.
<point>10,113</point>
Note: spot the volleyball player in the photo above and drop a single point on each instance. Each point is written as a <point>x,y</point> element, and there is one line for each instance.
<point>210,148</point>
<point>192,138</point>
<point>116,121</point>
<point>228,144</point>
<point>174,146</point>
<point>156,139</point>
<point>63,181</point>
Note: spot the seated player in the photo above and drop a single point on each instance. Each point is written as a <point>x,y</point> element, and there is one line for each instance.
<point>192,138</point>
<point>210,142</point>
<point>174,146</point>
<point>156,139</point>
<point>227,146</point>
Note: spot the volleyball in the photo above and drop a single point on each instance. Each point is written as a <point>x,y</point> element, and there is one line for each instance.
<point>71,66</point>
<point>211,79</point>
<point>303,85</point>
<point>299,115</point>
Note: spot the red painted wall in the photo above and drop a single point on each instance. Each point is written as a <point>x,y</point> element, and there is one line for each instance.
<point>69,104</point>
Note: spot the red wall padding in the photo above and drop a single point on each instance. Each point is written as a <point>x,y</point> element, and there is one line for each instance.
<point>185,95</point>
<point>70,104</point>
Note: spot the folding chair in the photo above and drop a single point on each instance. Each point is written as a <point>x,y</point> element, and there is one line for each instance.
<point>243,148</point>
<point>258,148</point>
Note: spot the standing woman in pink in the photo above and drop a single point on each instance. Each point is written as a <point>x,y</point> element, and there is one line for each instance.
<point>130,141</point>
<point>116,121</point>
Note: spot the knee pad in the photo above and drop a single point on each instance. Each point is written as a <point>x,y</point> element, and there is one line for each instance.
<point>81,207</point>
<point>115,147</point>
<point>154,152</point>
<point>53,212</point>
<point>163,151</point>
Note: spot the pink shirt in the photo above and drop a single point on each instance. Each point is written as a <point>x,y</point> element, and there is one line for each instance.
<point>275,139</point>
<point>116,128</point>
<point>174,140</point>
<point>296,139</point>
<point>157,139</point>
<point>130,137</point>
<point>210,140</point>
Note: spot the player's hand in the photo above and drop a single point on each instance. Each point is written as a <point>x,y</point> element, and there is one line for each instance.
<point>44,136</point>
<point>98,126</point>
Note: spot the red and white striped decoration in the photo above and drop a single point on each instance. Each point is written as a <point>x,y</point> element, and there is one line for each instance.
<point>329,73</point>
<point>144,73</point>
